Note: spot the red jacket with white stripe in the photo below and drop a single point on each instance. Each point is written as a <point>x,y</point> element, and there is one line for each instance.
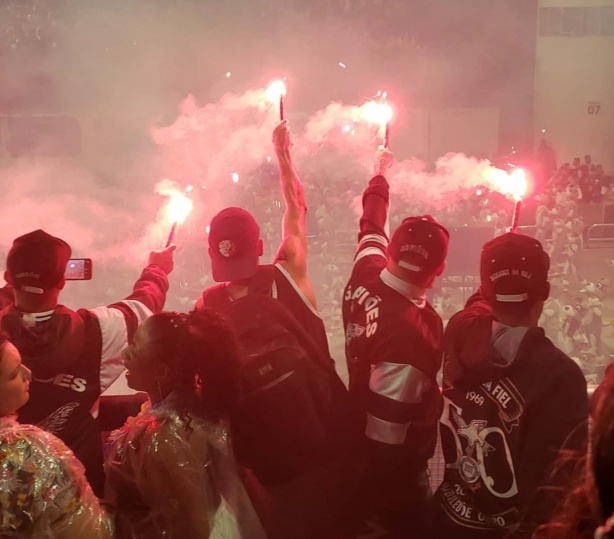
<point>394,342</point>
<point>75,356</point>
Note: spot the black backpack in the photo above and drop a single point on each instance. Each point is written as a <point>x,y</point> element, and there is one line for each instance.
<point>290,397</point>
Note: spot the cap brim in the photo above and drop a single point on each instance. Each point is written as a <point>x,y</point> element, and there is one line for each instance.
<point>512,298</point>
<point>409,266</point>
<point>31,289</point>
<point>238,269</point>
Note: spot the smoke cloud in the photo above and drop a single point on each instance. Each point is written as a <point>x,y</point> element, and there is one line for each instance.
<point>207,151</point>
<point>159,91</point>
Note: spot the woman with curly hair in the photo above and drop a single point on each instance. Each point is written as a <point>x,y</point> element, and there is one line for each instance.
<point>171,472</point>
<point>43,490</point>
<point>587,511</point>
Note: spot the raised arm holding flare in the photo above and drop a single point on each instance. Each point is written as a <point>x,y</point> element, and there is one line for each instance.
<point>235,248</point>
<point>394,350</point>
<point>292,253</point>
<point>308,506</point>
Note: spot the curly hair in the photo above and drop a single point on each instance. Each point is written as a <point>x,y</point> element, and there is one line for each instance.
<point>214,357</point>
<point>202,352</point>
<point>591,502</point>
<point>575,517</point>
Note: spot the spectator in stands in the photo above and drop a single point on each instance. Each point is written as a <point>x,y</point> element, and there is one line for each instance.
<point>512,400</point>
<point>588,165</point>
<point>44,491</point>
<point>575,166</point>
<point>394,343</point>
<point>546,159</point>
<point>73,355</point>
<point>171,471</point>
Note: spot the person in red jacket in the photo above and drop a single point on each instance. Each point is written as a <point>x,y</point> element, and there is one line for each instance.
<point>394,348</point>
<point>74,356</point>
<point>512,400</point>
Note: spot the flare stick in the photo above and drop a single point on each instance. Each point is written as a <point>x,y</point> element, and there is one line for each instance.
<point>516,218</point>
<point>171,236</point>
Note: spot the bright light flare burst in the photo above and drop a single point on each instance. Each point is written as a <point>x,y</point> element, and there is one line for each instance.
<point>276,91</point>
<point>376,113</point>
<point>514,184</point>
<point>178,207</point>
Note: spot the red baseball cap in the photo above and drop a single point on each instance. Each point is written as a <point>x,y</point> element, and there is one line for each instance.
<point>37,262</point>
<point>513,268</point>
<point>233,245</point>
<point>420,245</point>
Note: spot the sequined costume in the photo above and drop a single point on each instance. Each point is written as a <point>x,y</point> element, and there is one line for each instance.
<point>172,475</point>
<point>43,490</point>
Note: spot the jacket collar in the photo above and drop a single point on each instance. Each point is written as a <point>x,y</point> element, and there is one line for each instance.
<point>413,293</point>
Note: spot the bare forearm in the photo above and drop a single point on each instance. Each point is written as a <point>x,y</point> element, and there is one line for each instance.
<point>291,186</point>
<point>293,249</point>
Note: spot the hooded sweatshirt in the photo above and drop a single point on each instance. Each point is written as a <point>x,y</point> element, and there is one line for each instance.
<point>75,356</point>
<point>512,401</point>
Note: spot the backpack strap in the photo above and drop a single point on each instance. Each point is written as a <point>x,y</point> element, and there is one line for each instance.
<point>262,283</point>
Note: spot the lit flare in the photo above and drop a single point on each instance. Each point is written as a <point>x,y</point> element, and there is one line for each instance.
<point>379,113</point>
<point>275,93</point>
<point>513,185</point>
<point>276,90</point>
<point>178,208</point>
<point>376,113</point>
<point>177,211</point>
<point>518,184</point>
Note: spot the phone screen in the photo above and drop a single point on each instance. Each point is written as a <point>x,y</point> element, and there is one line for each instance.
<point>78,269</point>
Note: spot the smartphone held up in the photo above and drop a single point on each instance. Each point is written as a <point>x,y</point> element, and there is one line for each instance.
<point>79,269</point>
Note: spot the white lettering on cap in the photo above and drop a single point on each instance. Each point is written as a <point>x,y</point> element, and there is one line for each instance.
<point>506,272</point>
<point>499,274</point>
<point>227,248</point>
<point>28,274</point>
<point>418,249</point>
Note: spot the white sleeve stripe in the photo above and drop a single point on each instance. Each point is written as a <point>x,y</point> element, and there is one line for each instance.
<point>398,382</point>
<point>374,237</point>
<point>385,431</point>
<point>140,309</point>
<point>369,251</point>
<point>115,338</point>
